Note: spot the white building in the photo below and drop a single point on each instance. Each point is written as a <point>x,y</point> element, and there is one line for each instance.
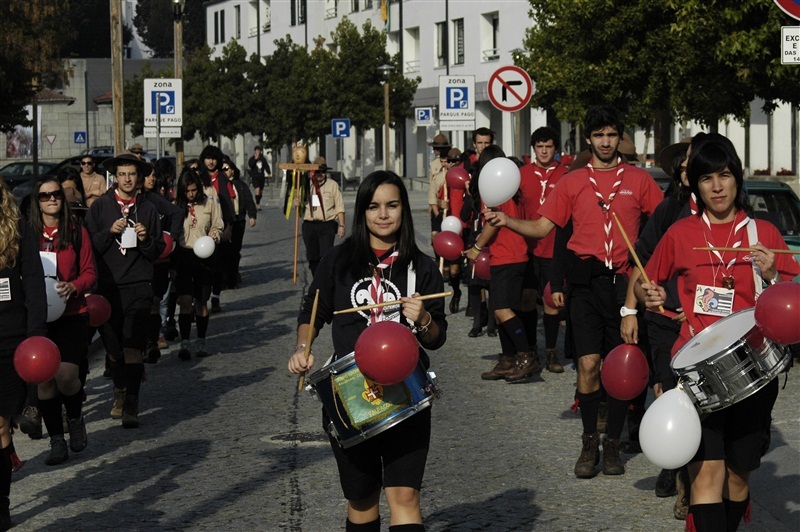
<point>482,36</point>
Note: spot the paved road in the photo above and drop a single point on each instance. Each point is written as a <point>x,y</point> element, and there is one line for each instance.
<point>227,444</point>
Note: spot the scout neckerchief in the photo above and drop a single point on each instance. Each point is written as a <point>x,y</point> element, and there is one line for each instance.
<point>376,287</point>
<point>193,223</point>
<point>605,205</point>
<point>125,207</point>
<point>737,235</point>
<point>544,178</point>
<point>692,203</point>
<point>318,192</point>
<point>49,235</point>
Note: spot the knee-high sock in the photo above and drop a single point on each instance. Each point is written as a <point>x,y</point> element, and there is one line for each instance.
<point>154,328</point>
<point>516,331</point>
<point>5,471</point>
<point>506,344</point>
<point>589,404</point>
<point>455,283</point>
<point>617,411</point>
<point>475,305</point>
<point>202,325</point>
<point>529,319</point>
<point>133,378</point>
<point>73,404</point>
<point>706,518</point>
<point>51,415</point>
<point>372,526</point>
<point>185,325</point>
<point>551,325</point>
<point>735,510</point>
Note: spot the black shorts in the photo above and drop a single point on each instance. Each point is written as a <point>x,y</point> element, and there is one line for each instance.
<point>70,334</point>
<point>436,222</point>
<point>594,313</point>
<point>506,285</point>
<point>662,332</point>
<point>160,279</point>
<point>258,182</point>
<point>544,268</point>
<point>12,388</point>
<point>530,281</point>
<point>193,275</point>
<point>393,458</point>
<point>739,434</point>
<point>130,316</point>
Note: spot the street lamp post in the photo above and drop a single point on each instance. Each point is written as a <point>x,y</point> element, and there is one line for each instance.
<point>386,70</point>
<point>177,11</point>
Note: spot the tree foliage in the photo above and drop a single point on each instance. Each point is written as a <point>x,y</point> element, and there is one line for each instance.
<point>29,54</point>
<point>85,29</point>
<point>154,21</point>
<point>696,59</point>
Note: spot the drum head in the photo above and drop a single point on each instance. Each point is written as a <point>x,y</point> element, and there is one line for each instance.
<point>715,339</point>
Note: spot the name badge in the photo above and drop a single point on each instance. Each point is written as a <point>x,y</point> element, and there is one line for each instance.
<point>713,300</point>
<point>315,201</point>
<point>128,238</point>
<point>49,263</point>
<point>5,289</point>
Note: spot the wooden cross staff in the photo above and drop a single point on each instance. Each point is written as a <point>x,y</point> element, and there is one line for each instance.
<point>444,215</point>
<point>296,169</point>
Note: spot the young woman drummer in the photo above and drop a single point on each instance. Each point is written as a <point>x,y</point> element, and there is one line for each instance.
<point>69,245</point>
<point>373,265</point>
<point>735,438</point>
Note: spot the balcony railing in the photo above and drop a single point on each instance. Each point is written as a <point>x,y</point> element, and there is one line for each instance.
<point>490,55</point>
<point>412,66</point>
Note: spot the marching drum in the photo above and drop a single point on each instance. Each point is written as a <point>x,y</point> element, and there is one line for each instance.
<point>359,408</point>
<point>727,362</point>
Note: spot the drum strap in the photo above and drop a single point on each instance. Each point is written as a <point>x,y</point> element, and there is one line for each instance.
<point>752,236</point>
<point>411,286</point>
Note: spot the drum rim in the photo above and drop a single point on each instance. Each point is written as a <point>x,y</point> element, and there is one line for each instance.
<point>705,332</point>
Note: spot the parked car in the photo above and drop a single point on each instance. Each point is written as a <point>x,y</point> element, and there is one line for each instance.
<point>23,190</point>
<point>17,173</point>
<point>100,151</point>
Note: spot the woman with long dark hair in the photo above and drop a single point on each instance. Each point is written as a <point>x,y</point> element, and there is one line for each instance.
<point>375,264</point>
<point>23,311</point>
<point>733,438</point>
<point>68,243</point>
<point>244,208</point>
<point>193,275</point>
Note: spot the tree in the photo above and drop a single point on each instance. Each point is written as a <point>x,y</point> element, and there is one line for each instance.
<point>29,54</point>
<point>85,29</point>
<point>154,21</point>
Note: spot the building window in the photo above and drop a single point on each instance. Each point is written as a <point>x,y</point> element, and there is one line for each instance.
<point>441,44</point>
<point>411,50</point>
<point>458,41</point>
<point>237,19</point>
<point>219,27</point>
<point>298,12</point>
<point>367,4</point>
<point>490,31</point>
<point>330,8</point>
<point>354,6</point>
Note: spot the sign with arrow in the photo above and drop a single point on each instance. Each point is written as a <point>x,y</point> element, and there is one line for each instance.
<point>510,88</point>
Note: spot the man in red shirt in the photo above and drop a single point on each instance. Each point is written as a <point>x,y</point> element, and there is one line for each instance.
<point>537,180</point>
<point>598,273</point>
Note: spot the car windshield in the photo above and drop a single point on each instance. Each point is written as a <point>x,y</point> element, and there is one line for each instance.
<point>777,207</point>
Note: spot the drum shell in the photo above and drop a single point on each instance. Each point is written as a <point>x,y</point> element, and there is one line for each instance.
<point>730,375</point>
<point>421,385</point>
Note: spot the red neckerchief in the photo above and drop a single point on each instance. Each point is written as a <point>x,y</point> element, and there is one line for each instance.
<point>605,205</point>
<point>191,213</point>
<point>124,205</point>
<point>692,203</point>
<point>737,235</point>
<point>214,181</point>
<point>318,191</point>
<point>544,178</point>
<point>49,236</point>
<point>376,287</point>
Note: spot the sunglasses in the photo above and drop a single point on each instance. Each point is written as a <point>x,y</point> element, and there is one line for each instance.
<point>87,163</point>
<point>137,152</point>
<point>56,195</point>
<point>226,168</point>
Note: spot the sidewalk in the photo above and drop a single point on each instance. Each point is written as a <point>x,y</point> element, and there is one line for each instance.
<point>227,443</point>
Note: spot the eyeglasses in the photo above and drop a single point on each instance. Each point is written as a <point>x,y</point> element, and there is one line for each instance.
<point>56,195</point>
<point>226,168</point>
<point>87,163</point>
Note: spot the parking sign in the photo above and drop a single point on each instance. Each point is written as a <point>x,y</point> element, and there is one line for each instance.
<point>424,116</point>
<point>340,128</point>
<point>456,102</point>
<point>163,97</point>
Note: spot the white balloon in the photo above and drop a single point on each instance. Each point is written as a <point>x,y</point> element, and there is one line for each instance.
<point>498,181</point>
<point>670,431</point>
<point>55,303</point>
<point>204,247</point>
<point>452,224</point>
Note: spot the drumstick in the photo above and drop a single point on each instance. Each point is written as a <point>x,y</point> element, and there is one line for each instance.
<point>387,303</point>
<point>786,251</point>
<point>635,256</point>
<point>309,338</point>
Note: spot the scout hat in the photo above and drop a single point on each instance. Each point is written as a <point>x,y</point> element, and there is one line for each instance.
<point>667,155</point>
<point>142,167</point>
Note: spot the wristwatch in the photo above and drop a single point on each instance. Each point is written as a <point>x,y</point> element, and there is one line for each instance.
<point>625,311</point>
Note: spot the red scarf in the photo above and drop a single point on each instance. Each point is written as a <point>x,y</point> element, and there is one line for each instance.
<point>376,287</point>
<point>605,204</point>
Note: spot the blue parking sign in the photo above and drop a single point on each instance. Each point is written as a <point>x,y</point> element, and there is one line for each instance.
<point>165,100</point>
<point>340,128</point>
<point>457,98</point>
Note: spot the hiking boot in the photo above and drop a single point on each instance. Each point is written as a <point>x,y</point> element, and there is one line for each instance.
<point>119,400</point>
<point>184,353</point>
<point>586,466</point>
<point>681,508</point>
<point>58,451</point>
<point>502,368</point>
<point>454,302</point>
<point>666,484</point>
<point>77,435</point>
<point>130,412</point>
<point>170,331</point>
<point>612,465</point>
<point>527,366</point>
<point>31,422</point>
<point>151,354</point>
<point>553,365</point>
<point>200,348</point>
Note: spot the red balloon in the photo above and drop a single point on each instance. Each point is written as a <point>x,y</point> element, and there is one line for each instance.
<point>37,359</point>
<point>457,177</point>
<point>99,309</point>
<point>482,269</point>
<point>387,352</point>
<point>778,313</point>
<point>170,245</point>
<point>625,372</point>
<point>448,245</point>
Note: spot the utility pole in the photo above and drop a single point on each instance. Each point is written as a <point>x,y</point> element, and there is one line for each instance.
<point>178,6</point>
<point>116,75</point>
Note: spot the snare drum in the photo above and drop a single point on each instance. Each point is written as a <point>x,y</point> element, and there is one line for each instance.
<point>727,362</point>
<point>359,408</point>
